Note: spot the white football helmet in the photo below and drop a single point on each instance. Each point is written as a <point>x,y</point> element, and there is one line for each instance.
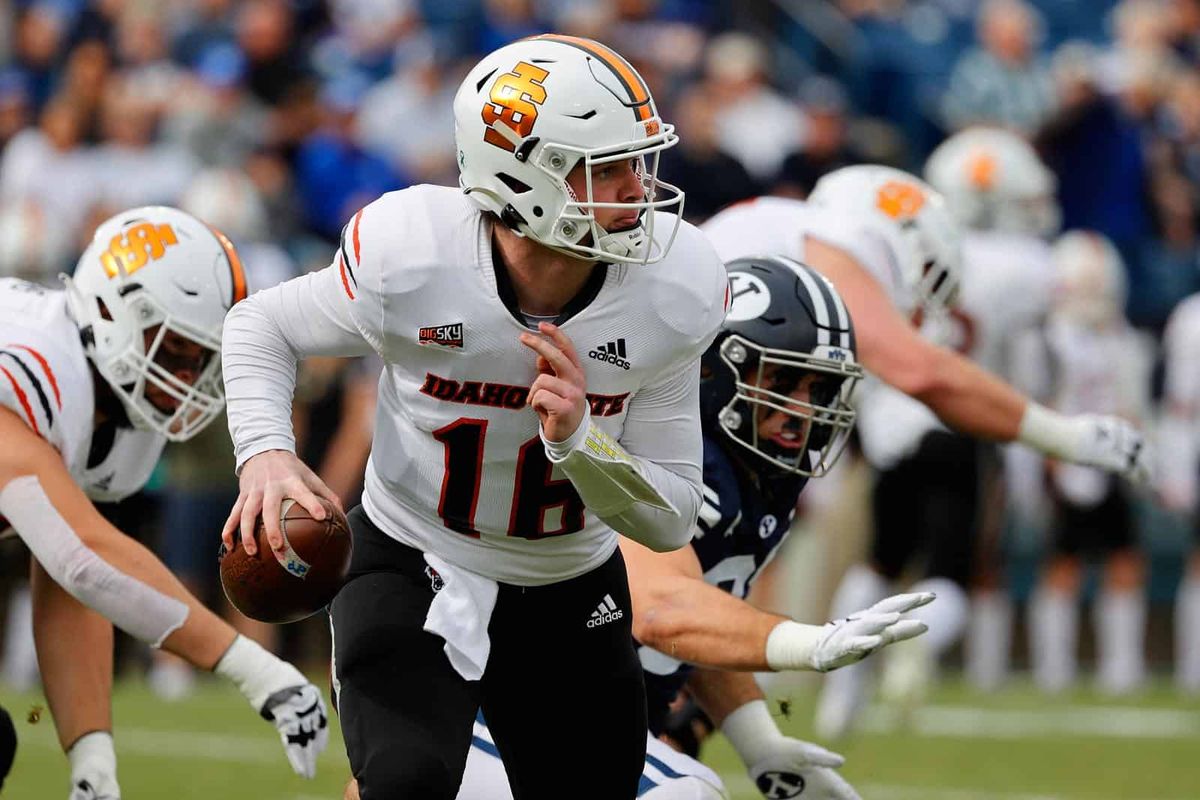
<point>149,271</point>
<point>993,179</point>
<point>1090,281</point>
<point>528,113</point>
<point>911,217</point>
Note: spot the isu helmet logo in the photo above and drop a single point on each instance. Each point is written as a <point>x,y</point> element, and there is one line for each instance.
<point>981,170</point>
<point>136,247</point>
<point>514,101</point>
<point>900,200</point>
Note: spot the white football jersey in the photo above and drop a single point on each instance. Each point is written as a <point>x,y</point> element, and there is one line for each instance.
<point>457,467</point>
<point>1095,372</point>
<point>779,226</point>
<point>46,380</point>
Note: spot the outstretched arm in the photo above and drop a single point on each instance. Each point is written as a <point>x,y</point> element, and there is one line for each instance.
<point>107,571</point>
<point>965,396</point>
<point>676,613</point>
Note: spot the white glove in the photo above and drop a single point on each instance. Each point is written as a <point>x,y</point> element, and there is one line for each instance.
<point>299,715</point>
<point>793,645</point>
<point>780,766</point>
<point>800,769</point>
<point>1113,444</point>
<point>83,790</point>
<point>1109,443</point>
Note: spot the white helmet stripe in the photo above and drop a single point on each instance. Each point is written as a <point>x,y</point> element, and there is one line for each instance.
<point>820,306</point>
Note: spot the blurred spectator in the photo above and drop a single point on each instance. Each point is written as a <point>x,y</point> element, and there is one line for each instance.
<point>335,176</point>
<point>710,178</point>
<point>504,21</point>
<point>41,30</point>
<point>49,166</point>
<point>755,124</point>
<point>142,51</point>
<point>426,151</point>
<point>215,119</point>
<point>14,105</point>
<point>196,26</point>
<point>1093,129</point>
<point>276,64</point>
<point>132,168</point>
<point>87,71</point>
<point>826,144</point>
<point>1001,82</point>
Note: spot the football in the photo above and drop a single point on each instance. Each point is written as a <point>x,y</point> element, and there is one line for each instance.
<point>297,582</point>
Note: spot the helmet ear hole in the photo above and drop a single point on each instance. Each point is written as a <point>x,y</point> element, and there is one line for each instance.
<point>104,312</point>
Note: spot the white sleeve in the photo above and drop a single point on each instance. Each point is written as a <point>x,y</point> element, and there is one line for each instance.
<point>1180,426</point>
<point>265,336</point>
<point>662,443</point>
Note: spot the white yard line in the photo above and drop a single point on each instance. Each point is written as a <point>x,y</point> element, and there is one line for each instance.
<point>1117,722</point>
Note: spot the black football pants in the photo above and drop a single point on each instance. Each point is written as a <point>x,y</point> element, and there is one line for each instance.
<point>407,715</point>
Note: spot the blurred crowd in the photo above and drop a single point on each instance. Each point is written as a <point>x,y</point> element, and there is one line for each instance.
<point>275,120</point>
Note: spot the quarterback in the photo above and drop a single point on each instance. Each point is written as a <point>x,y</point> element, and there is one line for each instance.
<point>94,380</point>
<point>887,242</point>
<point>541,330</point>
<point>775,391</point>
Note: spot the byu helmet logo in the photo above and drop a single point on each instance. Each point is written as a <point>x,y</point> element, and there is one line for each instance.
<point>780,785</point>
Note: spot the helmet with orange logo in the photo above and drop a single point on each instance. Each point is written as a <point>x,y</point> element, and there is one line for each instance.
<point>151,278</point>
<point>993,179</point>
<point>910,217</point>
<point>530,112</point>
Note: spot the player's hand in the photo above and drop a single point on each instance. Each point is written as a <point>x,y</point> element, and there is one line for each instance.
<point>84,790</point>
<point>303,724</point>
<point>266,480</point>
<point>852,639</point>
<point>792,768</point>
<point>559,393</point>
<point>1112,444</point>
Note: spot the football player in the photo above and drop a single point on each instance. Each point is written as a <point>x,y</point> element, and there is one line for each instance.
<point>998,189</point>
<point>887,242</point>
<point>1096,363</point>
<point>540,394</point>
<point>94,380</point>
<point>1178,434</point>
<point>775,388</point>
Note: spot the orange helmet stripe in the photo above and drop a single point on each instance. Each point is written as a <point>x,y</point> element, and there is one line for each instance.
<point>639,94</point>
<point>23,399</point>
<point>235,266</point>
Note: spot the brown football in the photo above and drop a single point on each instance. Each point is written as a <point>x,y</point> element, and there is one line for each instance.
<point>297,582</point>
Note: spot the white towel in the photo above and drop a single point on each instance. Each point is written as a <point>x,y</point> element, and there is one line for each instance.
<point>460,613</point>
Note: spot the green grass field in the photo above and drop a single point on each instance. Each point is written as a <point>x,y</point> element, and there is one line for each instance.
<point>1016,745</point>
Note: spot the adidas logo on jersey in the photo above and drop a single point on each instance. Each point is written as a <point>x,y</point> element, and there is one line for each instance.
<point>611,353</point>
<point>606,612</point>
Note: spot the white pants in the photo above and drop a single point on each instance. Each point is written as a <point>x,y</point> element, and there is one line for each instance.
<point>667,775</point>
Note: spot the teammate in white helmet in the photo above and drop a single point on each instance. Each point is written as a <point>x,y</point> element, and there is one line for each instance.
<point>1179,434</point>
<point>997,187</point>
<point>888,243</point>
<point>94,380</point>
<point>1096,363</point>
<point>934,490</point>
<point>541,328</point>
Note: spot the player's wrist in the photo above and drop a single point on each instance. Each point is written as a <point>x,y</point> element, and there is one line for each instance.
<point>1049,432</point>
<point>557,451</point>
<point>792,645</point>
<point>265,447</point>
<point>752,731</point>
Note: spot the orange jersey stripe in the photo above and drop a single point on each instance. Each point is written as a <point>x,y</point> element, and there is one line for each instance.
<point>235,266</point>
<point>345,282</point>
<point>23,399</point>
<point>357,244</point>
<point>45,368</point>
<point>639,94</point>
